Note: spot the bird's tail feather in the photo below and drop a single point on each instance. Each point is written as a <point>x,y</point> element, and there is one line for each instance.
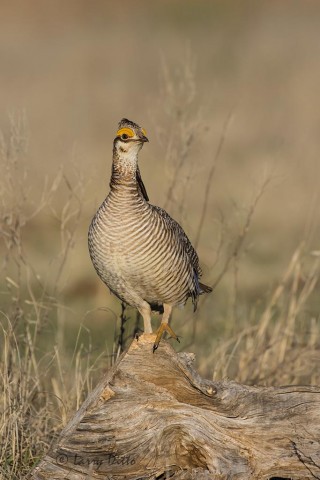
<point>155,307</point>
<point>204,288</point>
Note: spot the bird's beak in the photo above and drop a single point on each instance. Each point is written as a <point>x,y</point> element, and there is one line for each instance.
<point>144,139</point>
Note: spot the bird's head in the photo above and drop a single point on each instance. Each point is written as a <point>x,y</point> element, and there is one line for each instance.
<point>129,140</point>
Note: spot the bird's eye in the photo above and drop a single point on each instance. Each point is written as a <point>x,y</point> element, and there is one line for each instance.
<point>125,133</point>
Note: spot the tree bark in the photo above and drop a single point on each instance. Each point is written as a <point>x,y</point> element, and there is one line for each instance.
<point>152,416</point>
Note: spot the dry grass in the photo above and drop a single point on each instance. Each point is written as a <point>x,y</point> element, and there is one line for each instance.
<point>37,395</point>
<point>43,384</point>
<point>282,344</point>
<point>57,322</point>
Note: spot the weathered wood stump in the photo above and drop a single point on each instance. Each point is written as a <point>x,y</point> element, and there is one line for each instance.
<point>153,416</point>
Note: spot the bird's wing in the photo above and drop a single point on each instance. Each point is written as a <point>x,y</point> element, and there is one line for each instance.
<point>188,248</point>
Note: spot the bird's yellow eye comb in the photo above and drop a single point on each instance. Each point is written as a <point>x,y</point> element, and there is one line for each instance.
<point>125,131</point>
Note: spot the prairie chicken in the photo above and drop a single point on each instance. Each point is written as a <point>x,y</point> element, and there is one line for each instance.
<point>137,249</point>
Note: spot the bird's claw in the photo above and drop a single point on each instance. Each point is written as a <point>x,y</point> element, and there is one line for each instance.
<point>163,327</point>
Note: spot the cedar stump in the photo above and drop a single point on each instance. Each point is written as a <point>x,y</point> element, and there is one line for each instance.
<point>152,416</point>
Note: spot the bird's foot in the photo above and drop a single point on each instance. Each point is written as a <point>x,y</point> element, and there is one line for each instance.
<point>163,327</point>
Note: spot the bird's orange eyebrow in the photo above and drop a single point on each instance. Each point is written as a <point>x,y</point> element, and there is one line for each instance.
<point>144,132</point>
<point>126,131</point>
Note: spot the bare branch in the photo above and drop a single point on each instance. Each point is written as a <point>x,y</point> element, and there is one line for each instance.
<point>210,177</point>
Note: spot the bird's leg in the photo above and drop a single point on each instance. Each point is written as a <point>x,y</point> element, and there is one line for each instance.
<point>164,326</point>
<point>145,311</point>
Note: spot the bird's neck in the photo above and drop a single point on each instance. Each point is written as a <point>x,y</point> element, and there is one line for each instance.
<point>124,174</point>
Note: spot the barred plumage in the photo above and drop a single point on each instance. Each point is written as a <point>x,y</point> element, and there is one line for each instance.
<point>137,249</point>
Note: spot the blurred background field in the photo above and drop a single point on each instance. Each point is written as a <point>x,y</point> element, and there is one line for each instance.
<point>228,94</point>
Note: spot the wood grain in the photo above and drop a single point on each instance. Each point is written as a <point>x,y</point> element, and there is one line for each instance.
<point>153,416</point>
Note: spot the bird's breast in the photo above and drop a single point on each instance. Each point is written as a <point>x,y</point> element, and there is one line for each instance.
<point>136,244</point>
